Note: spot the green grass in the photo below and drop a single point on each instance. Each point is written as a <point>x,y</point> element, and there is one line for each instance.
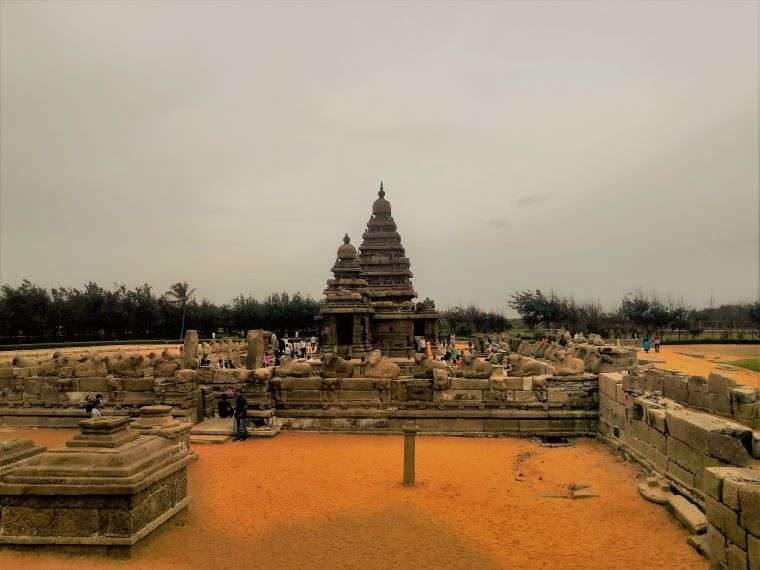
<point>749,363</point>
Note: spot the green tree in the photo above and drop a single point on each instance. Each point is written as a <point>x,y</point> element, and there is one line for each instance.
<point>180,294</point>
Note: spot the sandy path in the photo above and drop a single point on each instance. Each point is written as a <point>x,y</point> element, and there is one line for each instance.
<point>305,500</point>
<point>679,357</point>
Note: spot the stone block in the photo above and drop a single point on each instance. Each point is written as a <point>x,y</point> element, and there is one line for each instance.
<point>608,382</point>
<point>681,475</point>
<point>753,552</point>
<point>307,384</point>
<point>683,455</point>
<point>303,395</point>
<point>97,384</point>
<point>357,384</point>
<point>557,395</point>
<point>756,444</point>
<point>712,484</point>
<point>716,547</point>
<point>742,395</point>
<point>688,514</point>
<point>726,521</point>
<point>462,395</point>
<point>749,502</point>
<point>137,384</point>
<point>719,384</point>
<point>736,558</point>
<point>514,383</point>
<point>710,435</point>
<point>656,419</point>
<point>676,388</point>
<point>187,375</point>
<point>471,384</point>
<point>658,460</point>
<point>718,404</point>
<point>698,384</point>
<point>358,395</point>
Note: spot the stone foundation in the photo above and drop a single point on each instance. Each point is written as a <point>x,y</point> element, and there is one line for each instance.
<point>108,486</point>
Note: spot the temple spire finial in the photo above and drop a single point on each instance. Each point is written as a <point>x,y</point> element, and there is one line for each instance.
<point>381,193</point>
<point>346,239</point>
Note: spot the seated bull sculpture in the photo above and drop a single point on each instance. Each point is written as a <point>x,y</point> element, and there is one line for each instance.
<point>379,367</point>
<point>126,367</point>
<point>473,367</point>
<point>336,367</point>
<point>425,367</point>
<point>523,366</point>
<point>567,365</point>
<point>292,368</point>
<point>88,366</point>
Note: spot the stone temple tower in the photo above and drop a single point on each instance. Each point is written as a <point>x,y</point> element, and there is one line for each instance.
<point>346,311</point>
<point>368,305</point>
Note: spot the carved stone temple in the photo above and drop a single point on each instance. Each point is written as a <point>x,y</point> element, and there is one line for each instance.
<point>368,302</point>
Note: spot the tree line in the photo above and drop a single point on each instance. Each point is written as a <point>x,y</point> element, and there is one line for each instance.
<point>30,313</point>
<point>638,312</point>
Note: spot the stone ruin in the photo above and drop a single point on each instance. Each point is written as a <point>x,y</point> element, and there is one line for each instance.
<point>109,486</point>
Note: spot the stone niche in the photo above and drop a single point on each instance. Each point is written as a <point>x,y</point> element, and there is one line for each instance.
<point>108,486</point>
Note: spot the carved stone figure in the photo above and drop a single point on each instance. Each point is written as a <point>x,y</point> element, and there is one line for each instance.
<point>473,367</point>
<point>567,365</point>
<point>523,366</point>
<point>379,367</point>
<point>336,367</point>
<point>292,368</point>
<point>425,367</point>
<point>129,367</point>
<point>88,366</point>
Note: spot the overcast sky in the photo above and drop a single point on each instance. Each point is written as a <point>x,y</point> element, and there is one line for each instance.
<point>591,148</point>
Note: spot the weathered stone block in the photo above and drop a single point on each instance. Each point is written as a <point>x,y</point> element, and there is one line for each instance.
<point>307,383</point>
<point>681,475</point>
<point>698,384</point>
<point>719,384</point>
<point>470,384</point>
<point>716,547</point>
<point>608,382</point>
<point>736,558</point>
<point>683,455</point>
<point>719,404</point>
<point>187,375</point>
<point>358,384</point>
<point>726,521</point>
<point>656,419</point>
<point>98,384</point>
<point>749,502</point>
<point>137,384</point>
<point>753,552</point>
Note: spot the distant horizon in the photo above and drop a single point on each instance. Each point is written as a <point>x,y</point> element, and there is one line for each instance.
<point>591,149</point>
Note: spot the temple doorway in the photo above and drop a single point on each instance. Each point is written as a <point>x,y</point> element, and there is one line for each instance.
<point>419,327</point>
<point>344,329</point>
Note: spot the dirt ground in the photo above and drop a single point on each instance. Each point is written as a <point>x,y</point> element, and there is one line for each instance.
<point>701,359</point>
<point>305,500</point>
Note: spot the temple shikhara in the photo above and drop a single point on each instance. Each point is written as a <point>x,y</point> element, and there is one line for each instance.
<point>368,302</point>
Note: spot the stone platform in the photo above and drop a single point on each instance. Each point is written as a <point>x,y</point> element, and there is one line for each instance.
<point>219,430</point>
<point>108,486</point>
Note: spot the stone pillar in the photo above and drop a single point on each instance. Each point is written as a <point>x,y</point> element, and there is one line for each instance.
<point>410,434</point>
<point>255,349</point>
<point>190,349</point>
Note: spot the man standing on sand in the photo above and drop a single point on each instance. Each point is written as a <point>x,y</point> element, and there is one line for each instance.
<point>657,342</point>
<point>241,413</point>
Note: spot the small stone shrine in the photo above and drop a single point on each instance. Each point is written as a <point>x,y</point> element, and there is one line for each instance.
<point>108,486</point>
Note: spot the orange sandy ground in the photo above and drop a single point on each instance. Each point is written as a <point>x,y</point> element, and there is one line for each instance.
<point>307,500</point>
<point>677,357</point>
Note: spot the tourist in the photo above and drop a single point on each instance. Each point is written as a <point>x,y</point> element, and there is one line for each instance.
<point>302,348</point>
<point>96,405</point>
<point>646,343</point>
<point>241,414</point>
<point>277,356</point>
<point>657,342</point>
<point>288,350</point>
<point>423,344</point>
<point>224,407</point>
<point>313,344</point>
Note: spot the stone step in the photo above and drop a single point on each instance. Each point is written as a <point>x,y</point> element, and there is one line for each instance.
<point>203,439</point>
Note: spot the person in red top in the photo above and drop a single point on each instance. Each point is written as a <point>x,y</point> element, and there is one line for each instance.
<point>657,342</point>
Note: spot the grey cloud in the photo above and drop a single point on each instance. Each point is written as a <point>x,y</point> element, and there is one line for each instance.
<point>531,199</point>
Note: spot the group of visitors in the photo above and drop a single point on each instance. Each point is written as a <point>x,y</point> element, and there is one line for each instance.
<point>647,343</point>
<point>238,410</point>
<point>93,405</point>
<point>292,347</point>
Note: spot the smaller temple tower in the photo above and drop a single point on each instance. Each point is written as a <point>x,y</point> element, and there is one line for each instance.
<point>347,310</point>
